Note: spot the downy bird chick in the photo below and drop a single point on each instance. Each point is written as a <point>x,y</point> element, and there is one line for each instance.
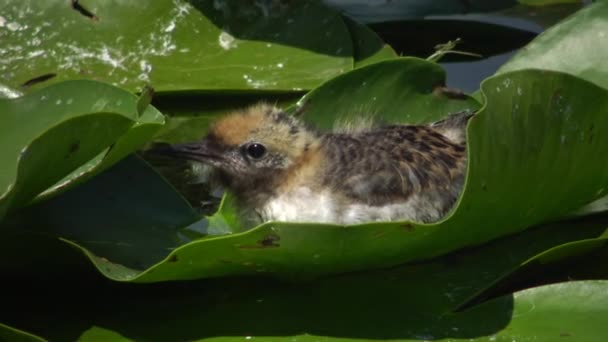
<point>283,170</point>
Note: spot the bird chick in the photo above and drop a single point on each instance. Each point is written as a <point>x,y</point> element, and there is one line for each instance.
<point>282,170</point>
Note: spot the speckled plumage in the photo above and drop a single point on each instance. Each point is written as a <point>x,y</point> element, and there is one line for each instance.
<point>395,172</point>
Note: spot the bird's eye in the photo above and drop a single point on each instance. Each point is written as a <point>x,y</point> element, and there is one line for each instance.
<point>256,150</point>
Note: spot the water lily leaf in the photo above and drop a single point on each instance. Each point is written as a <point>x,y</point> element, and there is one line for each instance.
<point>368,48</point>
<point>184,45</point>
<point>409,302</point>
<point>513,141</point>
<point>525,131</point>
<point>146,126</point>
<point>404,90</point>
<point>11,334</point>
<point>131,220</point>
<point>584,255</point>
<point>57,129</point>
<point>546,313</point>
<point>535,125</point>
<point>576,45</point>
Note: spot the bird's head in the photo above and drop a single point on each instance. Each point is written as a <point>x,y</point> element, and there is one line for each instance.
<point>257,145</point>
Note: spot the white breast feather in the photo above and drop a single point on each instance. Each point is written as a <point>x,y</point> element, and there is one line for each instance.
<point>304,205</point>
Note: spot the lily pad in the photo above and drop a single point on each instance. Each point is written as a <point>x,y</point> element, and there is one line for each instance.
<point>403,90</point>
<point>368,48</point>
<point>131,218</point>
<point>408,302</point>
<point>58,129</point>
<point>147,125</point>
<point>11,334</point>
<point>577,45</point>
<point>524,133</point>
<point>584,256</point>
<point>183,45</point>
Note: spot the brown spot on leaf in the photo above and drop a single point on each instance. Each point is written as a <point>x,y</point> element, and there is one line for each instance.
<point>408,226</point>
<point>270,240</point>
<point>85,12</point>
<point>267,241</point>
<point>38,79</point>
<point>451,93</point>
<point>74,147</point>
<point>173,258</point>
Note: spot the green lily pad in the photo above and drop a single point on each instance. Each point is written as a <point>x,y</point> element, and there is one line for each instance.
<point>403,90</point>
<point>577,46</point>
<point>147,125</point>
<point>131,218</point>
<point>11,334</point>
<point>408,302</point>
<point>174,45</point>
<point>535,125</point>
<point>58,129</point>
<point>547,313</point>
<point>368,48</point>
<point>584,255</point>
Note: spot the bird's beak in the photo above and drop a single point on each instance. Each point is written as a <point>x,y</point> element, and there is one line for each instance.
<point>199,151</point>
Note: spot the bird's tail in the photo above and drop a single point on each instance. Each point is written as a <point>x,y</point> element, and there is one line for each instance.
<point>454,126</point>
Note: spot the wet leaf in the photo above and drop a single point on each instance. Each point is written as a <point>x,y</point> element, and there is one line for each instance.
<point>408,302</point>
<point>11,334</point>
<point>59,129</point>
<point>404,90</point>
<point>576,45</point>
<point>128,218</point>
<point>524,133</point>
<point>174,45</point>
<point>367,46</point>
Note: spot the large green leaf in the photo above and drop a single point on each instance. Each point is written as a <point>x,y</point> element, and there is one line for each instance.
<point>367,46</point>
<point>128,218</point>
<point>573,310</point>
<point>578,258</point>
<point>409,302</point>
<point>14,335</point>
<point>525,133</point>
<point>409,90</point>
<point>59,129</point>
<point>146,126</point>
<point>536,129</point>
<point>576,45</point>
<point>175,45</point>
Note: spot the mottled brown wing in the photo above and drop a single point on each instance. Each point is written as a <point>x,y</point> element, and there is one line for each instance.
<point>392,163</point>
